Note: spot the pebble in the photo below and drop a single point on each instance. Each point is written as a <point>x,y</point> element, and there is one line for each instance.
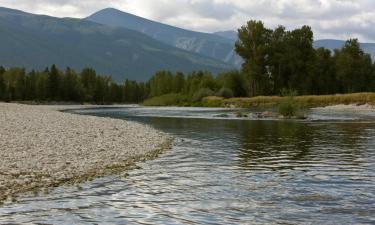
<point>43,147</point>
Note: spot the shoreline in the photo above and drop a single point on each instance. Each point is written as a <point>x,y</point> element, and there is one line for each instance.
<point>43,147</point>
<point>306,101</point>
<point>349,108</point>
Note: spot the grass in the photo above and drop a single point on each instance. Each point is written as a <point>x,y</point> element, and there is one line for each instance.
<point>166,100</point>
<point>288,107</point>
<point>212,101</point>
<point>306,101</point>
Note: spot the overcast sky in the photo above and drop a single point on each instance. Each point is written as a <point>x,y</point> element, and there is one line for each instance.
<point>340,19</point>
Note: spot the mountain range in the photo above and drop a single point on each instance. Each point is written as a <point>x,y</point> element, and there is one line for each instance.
<point>119,44</point>
<point>36,41</point>
<point>211,45</point>
<point>336,44</point>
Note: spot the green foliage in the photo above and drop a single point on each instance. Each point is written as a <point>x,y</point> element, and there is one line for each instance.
<point>288,107</point>
<point>276,61</point>
<point>354,68</point>
<point>55,85</point>
<point>201,93</point>
<point>161,83</point>
<point>280,59</point>
<point>225,93</point>
<point>3,90</point>
<point>252,46</point>
<point>239,114</point>
<point>212,101</point>
<point>288,93</point>
<point>166,100</point>
<point>235,81</point>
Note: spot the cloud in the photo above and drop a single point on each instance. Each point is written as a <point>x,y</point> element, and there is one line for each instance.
<point>329,18</point>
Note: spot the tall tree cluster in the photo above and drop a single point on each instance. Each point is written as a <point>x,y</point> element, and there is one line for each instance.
<point>279,59</point>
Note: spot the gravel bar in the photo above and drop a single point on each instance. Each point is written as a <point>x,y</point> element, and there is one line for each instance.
<point>42,148</point>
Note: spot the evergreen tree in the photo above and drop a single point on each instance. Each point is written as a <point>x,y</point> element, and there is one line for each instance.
<point>53,83</point>
<point>88,79</point>
<point>72,89</point>
<point>42,85</point>
<point>178,82</point>
<point>353,68</point>
<point>3,90</point>
<point>31,86</point>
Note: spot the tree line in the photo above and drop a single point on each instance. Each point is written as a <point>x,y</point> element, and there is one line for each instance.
<point>53,84</point>
<point>274,60</point>
<point>279,59</point>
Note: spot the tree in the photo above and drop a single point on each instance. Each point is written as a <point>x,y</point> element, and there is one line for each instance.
<point>300,60</point>
<point>42,85</point>
<point>72,89</point>
<point>88,79</point>
<point>353,68</point>
<point>116,93</point>
<point>101,92</point>
<point>253,47</point>
<point>53,83</point>
<point>178,82</point>
<point>324,79</point>
<point>31,86</point>
<point>277,61</point>
<point>3,90</point>
<point>161,83</point>
<point>15,84</point>
<point>233,80</point>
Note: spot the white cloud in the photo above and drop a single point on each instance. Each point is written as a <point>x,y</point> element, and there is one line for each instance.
<point>329,18</point>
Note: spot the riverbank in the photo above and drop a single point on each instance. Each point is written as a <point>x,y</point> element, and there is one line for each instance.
<point>42,148</point>
<point>308,101</point>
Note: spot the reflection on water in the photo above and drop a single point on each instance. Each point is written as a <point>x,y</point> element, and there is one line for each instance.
<point>226,172</point>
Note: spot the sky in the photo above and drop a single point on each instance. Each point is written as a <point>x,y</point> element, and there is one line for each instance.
<point>338,19</point>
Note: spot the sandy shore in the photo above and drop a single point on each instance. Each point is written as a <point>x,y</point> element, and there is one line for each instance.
<point>41,147</point>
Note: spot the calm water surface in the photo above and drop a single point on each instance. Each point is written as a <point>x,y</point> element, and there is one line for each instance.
<point>227,171</point>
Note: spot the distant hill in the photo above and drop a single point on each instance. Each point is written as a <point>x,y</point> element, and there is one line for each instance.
<point>211,45</point>
<point>229,34</point>
<point>331,44</point>
<point>336,44</point>
<point>36,41</point>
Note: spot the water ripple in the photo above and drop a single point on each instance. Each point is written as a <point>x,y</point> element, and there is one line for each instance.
<point>226,172</point>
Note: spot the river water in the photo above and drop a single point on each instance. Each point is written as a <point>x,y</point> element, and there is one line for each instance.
<point>224,170</point>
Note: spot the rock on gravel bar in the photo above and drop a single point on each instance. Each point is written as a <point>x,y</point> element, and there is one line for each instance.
<point>41,147</point>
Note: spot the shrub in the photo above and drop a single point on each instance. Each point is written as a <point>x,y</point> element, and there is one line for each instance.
<point>239,114</point>
<point>166,100</point>
<point>212,101</point>
<point>288,107</point>
<point>225,93</point>
<point>201,93</point>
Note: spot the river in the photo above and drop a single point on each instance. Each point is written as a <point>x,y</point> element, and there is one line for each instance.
<point>227,170</point>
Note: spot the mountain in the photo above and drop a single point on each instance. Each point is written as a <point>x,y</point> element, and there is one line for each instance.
<point>37,41</point>
<point>229,34</point>
<point>331,44</point>
<point>211,45</point>
<point>336,44</point>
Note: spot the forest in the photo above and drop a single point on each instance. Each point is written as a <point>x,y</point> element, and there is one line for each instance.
<point>274,60</point>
